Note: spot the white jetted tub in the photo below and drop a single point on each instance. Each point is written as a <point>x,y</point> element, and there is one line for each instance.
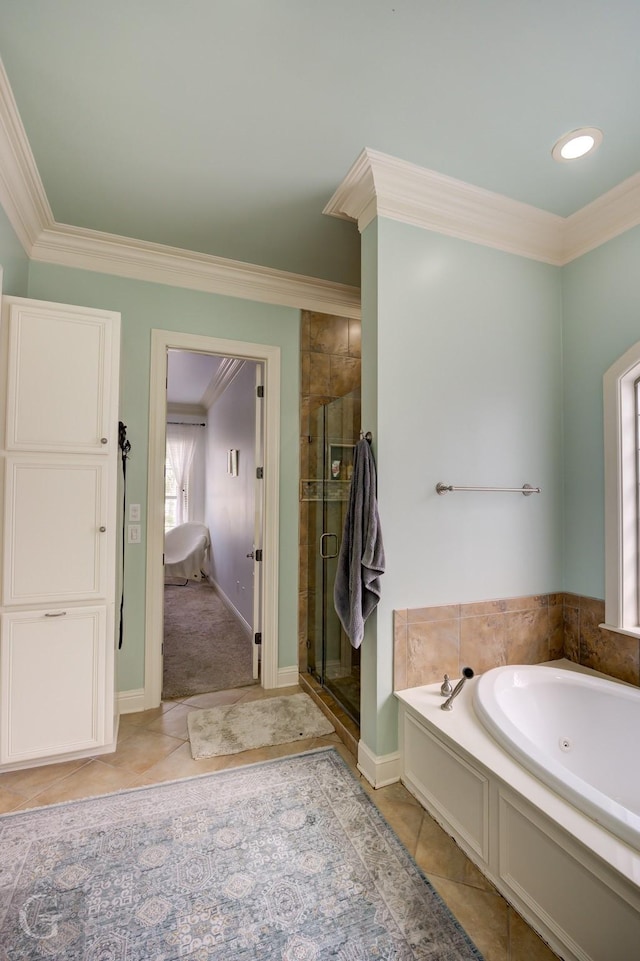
<point>535,773</point>
<point>577,733</point>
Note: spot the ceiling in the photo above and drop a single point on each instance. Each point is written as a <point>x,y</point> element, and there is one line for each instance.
<point>224,126</point>
<point>189,376</point>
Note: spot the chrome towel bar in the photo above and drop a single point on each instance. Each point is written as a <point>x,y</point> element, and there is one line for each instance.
<point>526,489</point>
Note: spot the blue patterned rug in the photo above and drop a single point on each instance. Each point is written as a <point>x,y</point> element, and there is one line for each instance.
<point>288,859</point>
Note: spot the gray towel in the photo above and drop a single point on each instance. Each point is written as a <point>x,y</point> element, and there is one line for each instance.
<point>356,590</point>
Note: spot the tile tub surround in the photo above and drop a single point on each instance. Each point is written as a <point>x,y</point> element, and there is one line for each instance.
<point>432,641</point>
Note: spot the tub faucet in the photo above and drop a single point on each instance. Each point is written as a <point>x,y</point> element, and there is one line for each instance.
<point>446,688</point>
<point>467,674</point>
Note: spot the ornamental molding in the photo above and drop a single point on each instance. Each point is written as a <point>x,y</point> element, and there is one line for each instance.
<point>24,200</point>
<point>378,185</point>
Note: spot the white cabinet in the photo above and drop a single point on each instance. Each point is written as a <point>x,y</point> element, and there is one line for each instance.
<point>56,532</point>
<point>60,378</point>
<point>60,472</point>
<point>52,692</point>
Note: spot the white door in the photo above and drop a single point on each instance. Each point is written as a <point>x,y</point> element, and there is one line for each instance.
<point>258,522</point>
<point>269,357</point>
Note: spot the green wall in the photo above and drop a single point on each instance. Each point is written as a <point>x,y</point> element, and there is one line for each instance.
<point>479,367</point>
<point>468,393</point>
<point>601,320</point>
<point>14,261</point>
<point>145,306</point>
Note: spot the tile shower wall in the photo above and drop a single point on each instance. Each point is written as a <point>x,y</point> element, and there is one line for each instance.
<point>432,641</point>
<point>330,368</point>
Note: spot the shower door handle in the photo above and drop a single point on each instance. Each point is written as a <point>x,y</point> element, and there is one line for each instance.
<point>323,554</point>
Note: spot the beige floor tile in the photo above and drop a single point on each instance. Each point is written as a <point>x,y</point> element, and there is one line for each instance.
<point>438,855</point>
<point>399,808</point>
<point>215,698</point>
<point>483,915</point>
<point>9,801</point>
<point>142,749</point>
<point>173,722</point>
<point>93,779</point>
<point>276,750</point>
<point>153,747</point>
<point>143,718</point>
<point>180,764</point>
<point>31,781</point>
<point>525,943</point>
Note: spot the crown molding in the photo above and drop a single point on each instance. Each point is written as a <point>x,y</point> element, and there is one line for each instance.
<point>380,185</point>
<point>22,193</point>
<point>24,200</point>
<point>229,368</point>
<point>376,185</point>
<point>603,219</point>
<point>69,246</point>
<point>186,410</point>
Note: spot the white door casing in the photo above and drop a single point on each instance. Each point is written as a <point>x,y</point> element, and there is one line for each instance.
<point>258,521</point>
<point>269,356</point>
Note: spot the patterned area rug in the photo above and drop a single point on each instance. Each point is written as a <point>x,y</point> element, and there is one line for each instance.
<point>287,860</point>
<point>231,728</point>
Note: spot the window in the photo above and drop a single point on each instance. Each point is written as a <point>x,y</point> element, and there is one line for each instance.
<point>622,493</point>
<point>171,497</point>
<point>181,446</point>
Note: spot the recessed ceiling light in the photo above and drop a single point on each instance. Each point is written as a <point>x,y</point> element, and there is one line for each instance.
<point>577,144</point>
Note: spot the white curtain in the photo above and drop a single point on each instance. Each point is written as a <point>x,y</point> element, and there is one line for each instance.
<point>181,446</point>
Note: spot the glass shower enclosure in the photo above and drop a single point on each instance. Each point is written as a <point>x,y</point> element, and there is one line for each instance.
<point>334,432</point>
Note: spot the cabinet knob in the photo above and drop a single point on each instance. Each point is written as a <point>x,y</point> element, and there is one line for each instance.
<point>103,440</point>
<point>102,530</point>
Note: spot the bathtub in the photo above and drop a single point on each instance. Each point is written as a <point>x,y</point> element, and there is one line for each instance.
<point>578,733</point>
<point>506,774</point>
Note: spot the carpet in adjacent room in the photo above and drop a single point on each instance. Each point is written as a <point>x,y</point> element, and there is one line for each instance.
<point>287,860</point>
<point>205,647</point>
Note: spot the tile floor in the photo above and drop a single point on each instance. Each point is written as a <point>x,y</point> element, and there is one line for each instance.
<point>153,746</point>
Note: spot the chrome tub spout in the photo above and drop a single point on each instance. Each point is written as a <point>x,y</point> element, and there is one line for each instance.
<point>467,674</point>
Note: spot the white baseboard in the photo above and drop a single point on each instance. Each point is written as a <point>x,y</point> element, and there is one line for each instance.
<point>378,770</point>
<point>287,676</point>
<point>130,702</point>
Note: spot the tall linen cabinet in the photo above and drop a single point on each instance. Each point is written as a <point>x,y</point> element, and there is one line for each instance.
<point>59,368</point>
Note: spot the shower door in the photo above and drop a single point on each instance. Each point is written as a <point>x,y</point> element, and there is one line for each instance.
<point>334,663</point>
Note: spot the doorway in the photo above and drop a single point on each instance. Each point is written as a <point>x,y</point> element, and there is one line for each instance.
<point>211,528</point>
<point>266,575</point>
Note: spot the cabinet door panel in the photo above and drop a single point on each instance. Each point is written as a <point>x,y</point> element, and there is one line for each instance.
<point>59,378</point>
<point>52,669</point>
<point>55,550</point>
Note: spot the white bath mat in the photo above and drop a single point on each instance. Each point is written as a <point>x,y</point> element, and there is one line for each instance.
<point>232,728</point>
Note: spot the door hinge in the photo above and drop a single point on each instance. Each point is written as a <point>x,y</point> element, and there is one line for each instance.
<point>257,638</point>
<point>259,473</point>
<point>260,391</point>
<point>258,554</point>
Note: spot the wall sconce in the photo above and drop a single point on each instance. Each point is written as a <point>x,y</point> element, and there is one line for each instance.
<point>232,462</point>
